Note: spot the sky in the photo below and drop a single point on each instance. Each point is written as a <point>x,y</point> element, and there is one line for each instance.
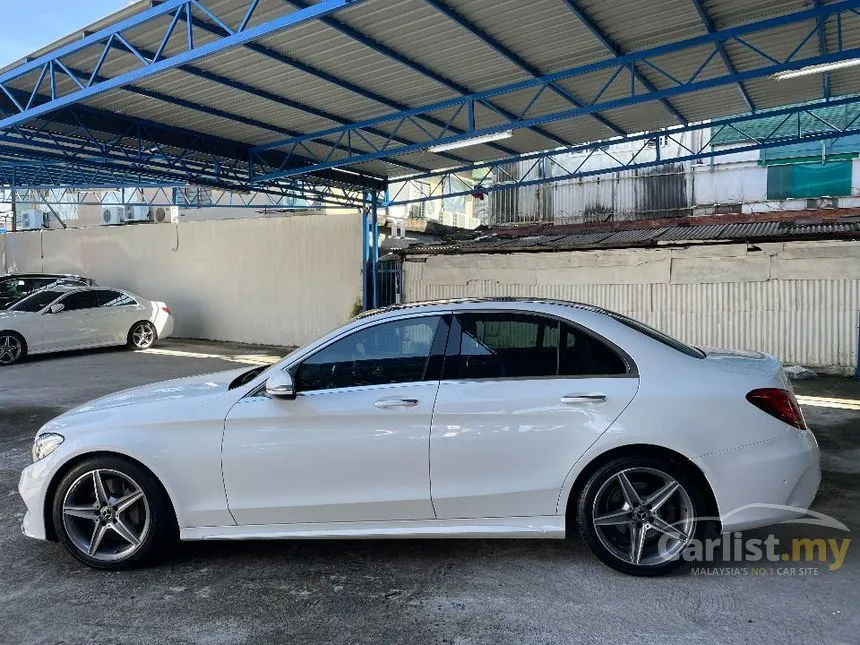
<point>28,25</point>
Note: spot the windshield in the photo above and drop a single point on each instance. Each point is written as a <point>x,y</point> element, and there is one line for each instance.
<point>36,301</point>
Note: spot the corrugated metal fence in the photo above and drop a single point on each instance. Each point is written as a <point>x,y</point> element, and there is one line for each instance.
<point>810,321</point>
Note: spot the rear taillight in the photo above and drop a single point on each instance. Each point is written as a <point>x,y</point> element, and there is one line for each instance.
<point>165,309</point>
<point>780,404</point>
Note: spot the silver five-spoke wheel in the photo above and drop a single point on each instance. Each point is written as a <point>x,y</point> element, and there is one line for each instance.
<point>11,349</point>
<point>142,335</point>
<point>106,515</point>
<point>643,516</point>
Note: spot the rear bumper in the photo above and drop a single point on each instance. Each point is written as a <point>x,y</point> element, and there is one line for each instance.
<point>164,325</point>
<point>764,483</point>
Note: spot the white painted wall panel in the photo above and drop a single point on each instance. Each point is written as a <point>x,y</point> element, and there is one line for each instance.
<point>799,301</point>
<point>281,281</point>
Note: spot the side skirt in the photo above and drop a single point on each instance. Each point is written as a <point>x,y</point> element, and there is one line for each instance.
<point>546,527</point>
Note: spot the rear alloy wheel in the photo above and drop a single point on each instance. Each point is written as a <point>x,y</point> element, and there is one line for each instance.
<point>142,335</point>
<point>638,515</point>
<point>12,348</point>
<point>111,514</point>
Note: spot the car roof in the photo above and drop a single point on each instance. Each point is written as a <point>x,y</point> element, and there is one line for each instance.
<point>57,276</point>
<point>469,303</point>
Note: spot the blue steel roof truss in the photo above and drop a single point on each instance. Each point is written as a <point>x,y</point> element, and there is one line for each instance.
<point>799,124</point>
<point>131,153</point>
<point>155,195</point>
<point>33,100</point>
<point>332,141</point>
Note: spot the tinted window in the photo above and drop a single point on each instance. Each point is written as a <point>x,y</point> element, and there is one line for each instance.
<point>394,352</point>
<point>36,302</point>
<point>113,299</point>
<point>79,300</point>
<point>581,354</point>
<point>524,346</point>
<point>16,287</point>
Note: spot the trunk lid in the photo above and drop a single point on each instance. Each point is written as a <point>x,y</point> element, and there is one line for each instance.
<point>749,363</point>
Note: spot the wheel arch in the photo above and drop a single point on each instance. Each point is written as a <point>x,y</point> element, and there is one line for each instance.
<point>637,450</point>
<point>62,471</point>
<point>17,333</point>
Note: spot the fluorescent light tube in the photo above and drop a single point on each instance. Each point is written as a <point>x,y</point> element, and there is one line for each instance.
<point>465,143</point>
<point>816,69</point>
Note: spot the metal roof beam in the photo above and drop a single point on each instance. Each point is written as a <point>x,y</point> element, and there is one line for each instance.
<point>699,46</point>
<point>732,125</point>
<point>92,85</point>
<point>651,149</point>
<point>822,49</point>
<point>708,22</point>
<point>514,58</point>
<point>204,158</point>
<point>616,49</point>
<point>277,56</point>
<point>104,121</point>
<point>385,50</point>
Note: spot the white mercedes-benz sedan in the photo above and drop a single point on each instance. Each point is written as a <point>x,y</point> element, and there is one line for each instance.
<point>67,317</point>
<point>471,418</point>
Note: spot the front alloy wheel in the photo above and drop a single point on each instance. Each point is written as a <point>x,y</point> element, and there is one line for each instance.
<point>638,515</point>
<point>11,349</point>
<point>111,514</point>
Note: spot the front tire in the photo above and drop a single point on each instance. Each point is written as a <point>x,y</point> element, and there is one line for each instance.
<point>13,348</point>
<point>638,515</point>
<point>111,513</point>
<point>142,335</point>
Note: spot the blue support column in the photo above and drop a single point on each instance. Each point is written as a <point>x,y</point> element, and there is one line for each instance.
<point>374,221</point>
<point>365,255</point>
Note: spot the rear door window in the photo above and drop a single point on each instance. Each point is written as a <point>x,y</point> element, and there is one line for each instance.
<point>514,345</point>
<point>106,298</point>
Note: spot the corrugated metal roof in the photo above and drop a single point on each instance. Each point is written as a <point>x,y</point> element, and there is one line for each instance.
<point>692,233</point>
<point>509,241</point>
<point>448,60</point>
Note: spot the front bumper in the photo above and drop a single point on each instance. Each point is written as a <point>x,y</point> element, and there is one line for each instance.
<point>32,487</point>
<point>764,483</point>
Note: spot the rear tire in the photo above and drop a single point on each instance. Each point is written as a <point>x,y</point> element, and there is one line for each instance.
<point>638,515</point>
<point>13,348</point>
<point>142,335</point>
<point>124,521</point>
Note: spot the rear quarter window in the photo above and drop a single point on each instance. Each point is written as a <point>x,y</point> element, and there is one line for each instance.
<point>659,336</point>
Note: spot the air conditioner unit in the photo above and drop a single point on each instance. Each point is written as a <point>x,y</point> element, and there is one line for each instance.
<point>112,215</point>
<point>30,220</point>
<point>159,214</point>
<point>136,213</point>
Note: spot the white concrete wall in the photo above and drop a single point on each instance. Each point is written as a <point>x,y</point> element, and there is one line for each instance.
<point>278,281</point>
<point>797,300</point>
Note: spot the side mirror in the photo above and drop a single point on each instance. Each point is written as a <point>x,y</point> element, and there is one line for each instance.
<point>57,308</point>
<point>280,386</point>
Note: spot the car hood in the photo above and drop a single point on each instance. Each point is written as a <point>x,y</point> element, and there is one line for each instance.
<point>7,315</point>
<point>149,400</point>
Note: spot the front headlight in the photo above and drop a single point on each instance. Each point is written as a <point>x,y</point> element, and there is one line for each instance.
<point>45,444</point>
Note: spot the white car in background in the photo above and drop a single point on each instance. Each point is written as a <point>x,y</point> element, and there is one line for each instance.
<point>472,418</point>
<point>68,317</point>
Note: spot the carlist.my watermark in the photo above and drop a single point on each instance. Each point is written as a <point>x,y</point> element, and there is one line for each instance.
<point>816,544</point>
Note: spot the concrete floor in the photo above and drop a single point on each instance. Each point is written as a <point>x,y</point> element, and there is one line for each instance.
<point>447,592</point>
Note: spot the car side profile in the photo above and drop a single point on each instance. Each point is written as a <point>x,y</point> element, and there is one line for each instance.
<point>67,317</point>
<point>471,418</point>
<point>14,287</point>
